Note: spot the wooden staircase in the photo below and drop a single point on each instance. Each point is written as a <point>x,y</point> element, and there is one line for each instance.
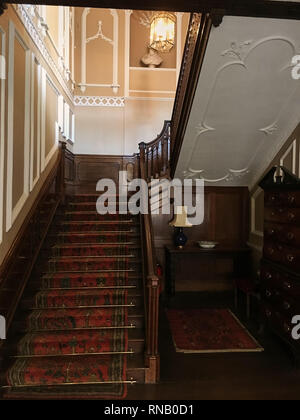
<point>85,256</point>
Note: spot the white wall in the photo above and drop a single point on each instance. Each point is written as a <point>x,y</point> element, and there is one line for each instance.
<point>118,130</point>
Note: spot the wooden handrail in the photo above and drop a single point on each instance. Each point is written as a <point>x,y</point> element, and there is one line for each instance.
<point>193,57</point>
<point>20,260</point>
<point>151,282</point>
<point>157,155</point>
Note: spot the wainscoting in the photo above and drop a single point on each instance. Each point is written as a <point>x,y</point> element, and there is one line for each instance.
<point>82,172</point>
<point>226,221</point>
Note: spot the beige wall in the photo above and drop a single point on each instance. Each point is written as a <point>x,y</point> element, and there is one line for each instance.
<point>103,57</point>
<point>29,116</point>
<point>115,131</point>
<point>39,94</point>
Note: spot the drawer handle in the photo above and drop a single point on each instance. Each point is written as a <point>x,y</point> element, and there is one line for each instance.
<point>271,251</point>
<point>271,232</point>
<point>286,305</point>
<point>269,276</point>
<point>268,313</point>
<point>291,199</point>
<point>290,258</point>
<point>268,293</point>
<point>291,216</point>
<point>287,285</point>
<point>290,236</point>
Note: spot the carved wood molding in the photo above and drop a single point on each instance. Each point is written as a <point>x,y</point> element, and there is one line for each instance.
<point>193,57</point>
<point>253,8</point>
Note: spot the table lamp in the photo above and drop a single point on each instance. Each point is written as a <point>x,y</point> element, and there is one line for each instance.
<point>180,222</point>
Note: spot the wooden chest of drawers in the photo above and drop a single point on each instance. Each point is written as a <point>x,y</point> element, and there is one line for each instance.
<point>280,267</point>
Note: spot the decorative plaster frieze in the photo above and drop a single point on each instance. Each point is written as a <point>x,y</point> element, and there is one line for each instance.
<point>237,50</point>
<point>107,101</point>
<point>37,37</point>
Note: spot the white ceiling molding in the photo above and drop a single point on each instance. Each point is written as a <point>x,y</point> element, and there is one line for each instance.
<point>246,104</point>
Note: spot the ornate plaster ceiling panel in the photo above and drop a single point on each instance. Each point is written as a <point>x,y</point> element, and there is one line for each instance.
<point>246,103</point>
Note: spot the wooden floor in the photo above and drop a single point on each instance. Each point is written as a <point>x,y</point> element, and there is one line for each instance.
<point>255,376</point>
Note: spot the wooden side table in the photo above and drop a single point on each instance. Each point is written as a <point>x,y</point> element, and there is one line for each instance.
<point>175,256</point>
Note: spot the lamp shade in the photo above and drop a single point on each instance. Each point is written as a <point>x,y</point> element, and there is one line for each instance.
<point>180,218</point>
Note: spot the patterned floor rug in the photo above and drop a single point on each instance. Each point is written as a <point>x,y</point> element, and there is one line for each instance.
<point>209,331</point>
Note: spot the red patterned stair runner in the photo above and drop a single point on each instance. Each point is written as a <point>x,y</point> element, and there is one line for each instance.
<point>76,335</point>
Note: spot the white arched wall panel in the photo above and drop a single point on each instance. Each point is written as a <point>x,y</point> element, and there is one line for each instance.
<point>35,122</point>
<point>2,125</point>
<point>12,212</point>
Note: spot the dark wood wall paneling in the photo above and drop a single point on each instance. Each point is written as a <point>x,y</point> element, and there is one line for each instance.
<point>82,172</point>
<point>226,221</point>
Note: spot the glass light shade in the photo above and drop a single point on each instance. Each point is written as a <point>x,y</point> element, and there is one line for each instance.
<point>162,32</point>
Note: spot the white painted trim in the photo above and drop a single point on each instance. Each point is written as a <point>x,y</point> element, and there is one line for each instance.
<point>128,14</point>
<point>60,110</point>
<point>66,120</point>
<point>73,45</point>
<point>2,133</point>
<point>149,98</point>
<point>165,92</point>
<point>178,44</point>
<point>43,118</point>
<point>293,149</point>
<point>152,69</point>
<point>98,85</point>
<point>46,159</point>
<point>114,85</point>
<point>108,101</point>
<point>73,129</point>
<point>12,213</point>
<point>33,181</point>
<point>83,47</point>
<point>115,16</point>
<point>67,42</point>
<point>55,146</point>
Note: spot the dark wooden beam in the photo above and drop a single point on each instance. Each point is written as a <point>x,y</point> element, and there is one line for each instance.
<point>254,8</point>
<point>3,6</point>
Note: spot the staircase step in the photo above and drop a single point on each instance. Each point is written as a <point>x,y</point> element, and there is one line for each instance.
<point>66,370</point>
<point>96,226</point>
<point>79,342</point>
<point>95,250</point>
<point>93,264</point>
<point>107,238</point>
<point>86,206</point>
<point>87,280</point>
<point>94,216</point>
<point>92,198</point>
<point>81,299</point>
<point>79,318</point>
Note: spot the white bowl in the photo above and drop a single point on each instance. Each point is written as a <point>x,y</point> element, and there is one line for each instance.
<point>207,244</point>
